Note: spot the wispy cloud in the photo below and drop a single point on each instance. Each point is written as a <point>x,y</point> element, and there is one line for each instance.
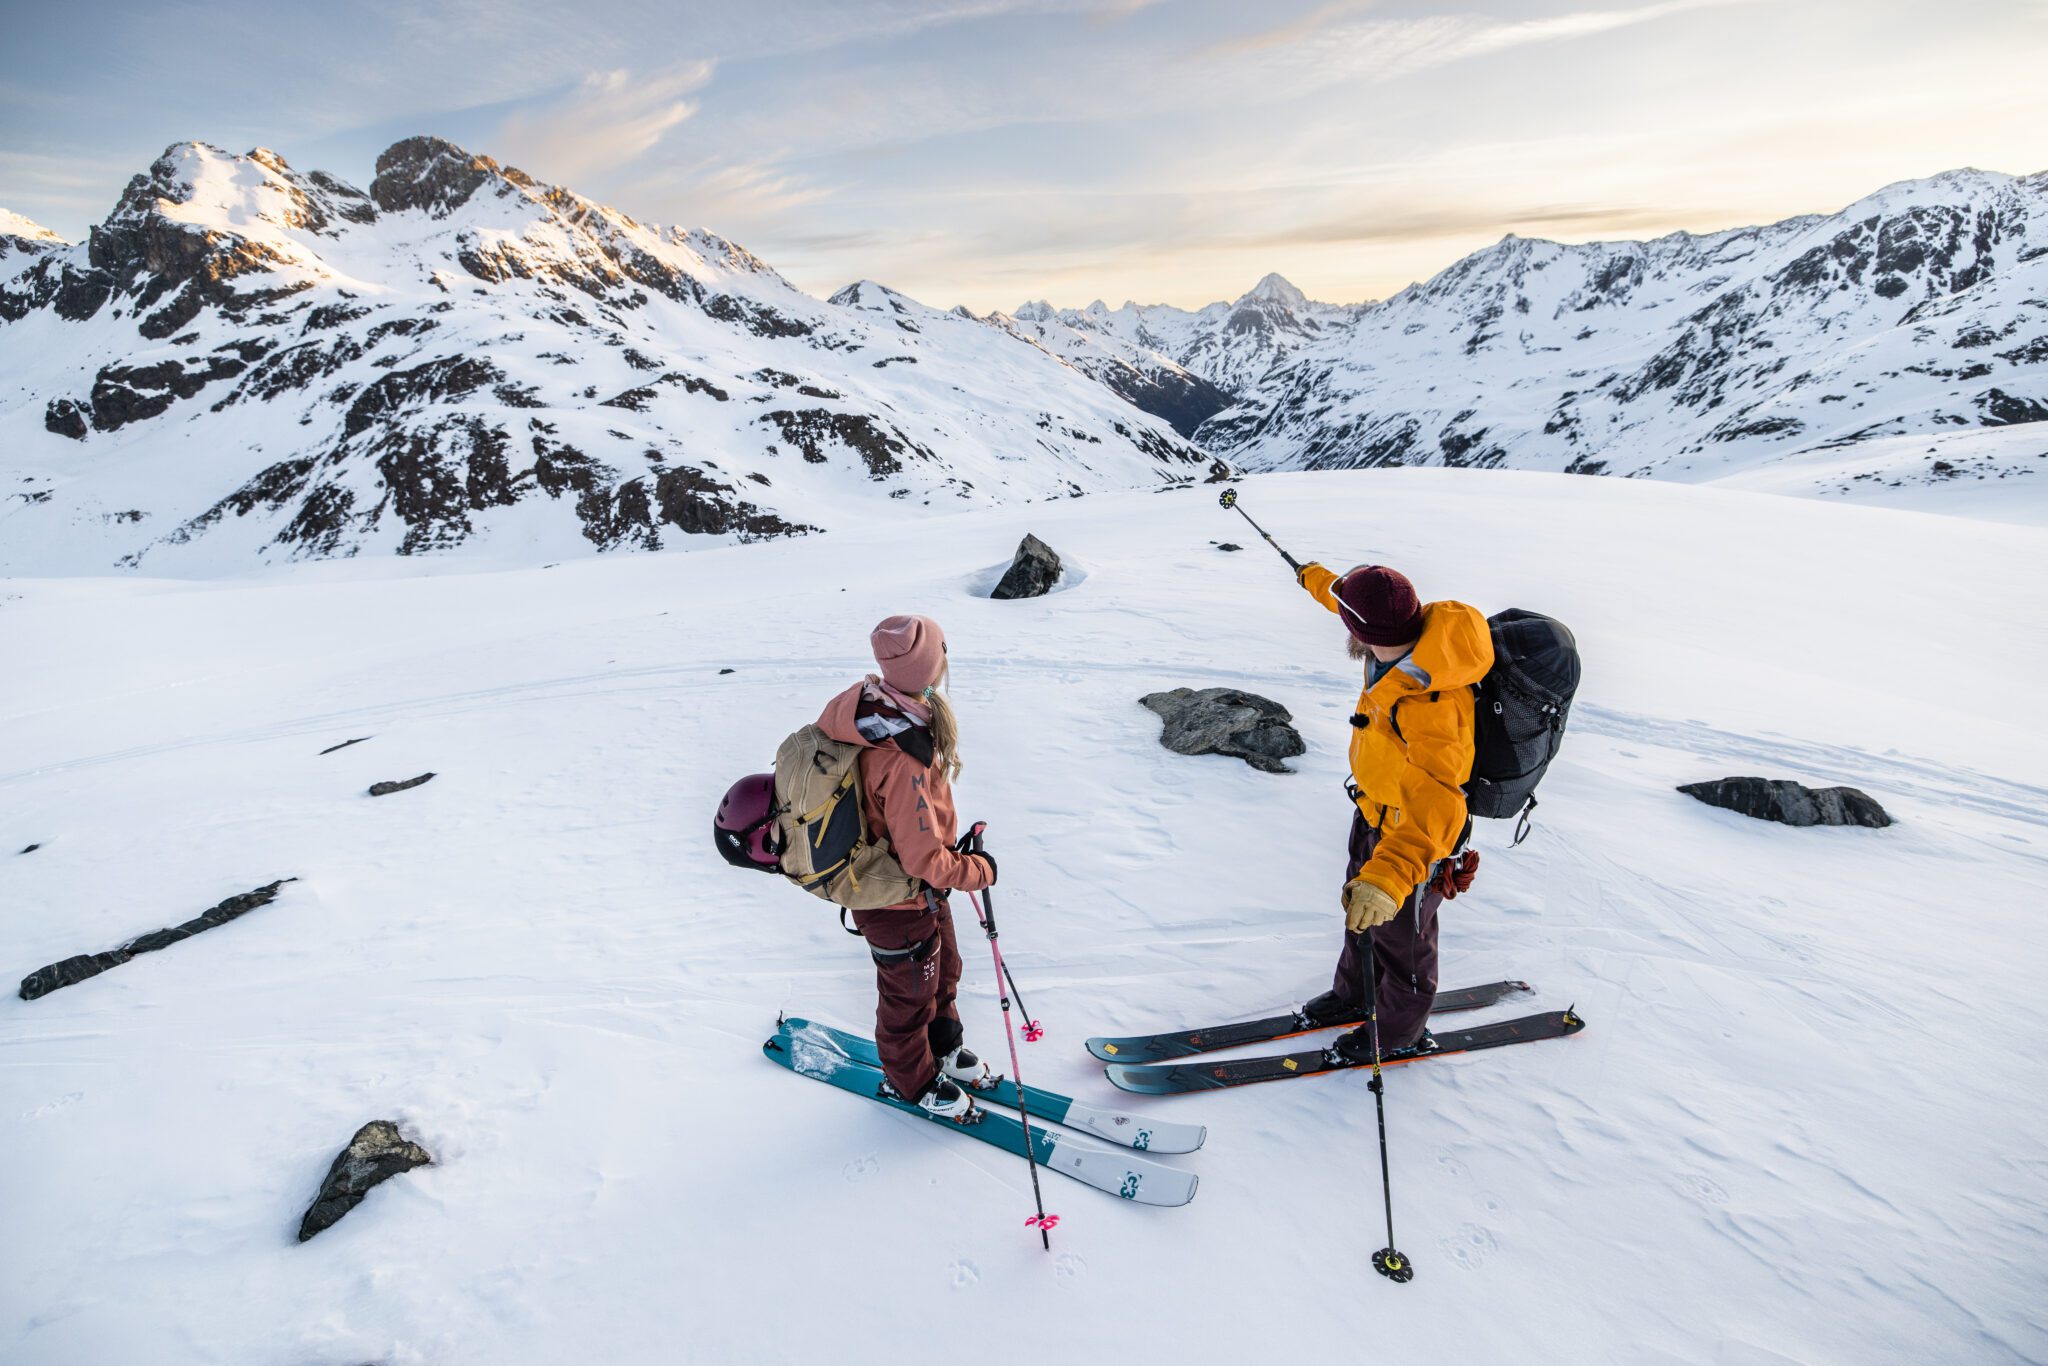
<point>1289,33</point>
<point>1319,49</point>
<point>610,120</point>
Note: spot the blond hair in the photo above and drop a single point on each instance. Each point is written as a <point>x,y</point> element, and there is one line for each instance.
<point>945,728</point>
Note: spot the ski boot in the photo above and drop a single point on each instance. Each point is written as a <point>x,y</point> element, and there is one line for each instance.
<point>1356,1048</point>
<point>941,1100</point>
<point>1329,1009</point>
<point>962,1066</point>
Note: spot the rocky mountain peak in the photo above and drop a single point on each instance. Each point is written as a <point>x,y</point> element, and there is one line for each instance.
<point>1275,289</point>
<point>436,177</point>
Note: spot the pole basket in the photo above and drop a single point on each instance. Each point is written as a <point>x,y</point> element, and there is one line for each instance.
<point>1228,498</point>
<point>1393,1266</point>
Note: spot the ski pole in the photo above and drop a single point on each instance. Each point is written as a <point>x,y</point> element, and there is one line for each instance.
<point>1386,1261</point>
<point>1229,500</point>
<point>985,912</point>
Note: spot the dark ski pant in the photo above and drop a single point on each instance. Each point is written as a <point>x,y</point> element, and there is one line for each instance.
<point>917,973</point>
<point>1405,946</point>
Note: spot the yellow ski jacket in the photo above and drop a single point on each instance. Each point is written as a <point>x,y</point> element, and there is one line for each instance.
<point>1411,742</point>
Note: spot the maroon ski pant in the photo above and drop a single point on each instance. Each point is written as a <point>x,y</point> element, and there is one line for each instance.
<point>917,973</point>
<point>1405,947</point>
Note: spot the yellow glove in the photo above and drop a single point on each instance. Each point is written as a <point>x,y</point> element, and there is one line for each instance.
<point>1301,574</point>
<point>1366,906</point>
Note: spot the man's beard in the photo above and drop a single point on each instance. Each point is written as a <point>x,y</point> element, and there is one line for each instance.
<point>1355,647</point>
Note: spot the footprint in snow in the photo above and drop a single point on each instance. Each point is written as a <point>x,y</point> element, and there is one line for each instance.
<point>1471,1245</point>
<point>1703,1188</point>
<point>1068,1267</point>
<point>965,1273</point>
<point>48,1108</point>
<point>1451,1165</point>
<point>861,1167</point>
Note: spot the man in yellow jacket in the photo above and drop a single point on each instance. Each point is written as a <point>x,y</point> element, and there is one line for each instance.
<point>1411,754</point>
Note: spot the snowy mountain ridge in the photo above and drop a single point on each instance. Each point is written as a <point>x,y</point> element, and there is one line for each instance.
<point>1766,353</point>
<point>250,361</point>
<point>1230,344</point>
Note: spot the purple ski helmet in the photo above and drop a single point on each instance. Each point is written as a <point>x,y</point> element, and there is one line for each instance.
<point>745,825</point>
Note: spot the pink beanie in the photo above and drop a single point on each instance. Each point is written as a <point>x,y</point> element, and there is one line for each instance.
<point>911,651</point>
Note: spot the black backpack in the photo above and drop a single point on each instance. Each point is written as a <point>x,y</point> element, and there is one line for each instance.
<point>1519,713</point>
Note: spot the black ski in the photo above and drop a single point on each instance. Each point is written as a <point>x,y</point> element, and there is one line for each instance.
<point>1177,1078</point>
<point>1182,1043</point>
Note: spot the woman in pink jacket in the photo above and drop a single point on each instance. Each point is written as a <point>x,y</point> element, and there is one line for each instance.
<point>910,756</point>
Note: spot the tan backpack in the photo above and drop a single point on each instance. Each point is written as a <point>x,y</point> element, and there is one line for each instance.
<point>823,829</point>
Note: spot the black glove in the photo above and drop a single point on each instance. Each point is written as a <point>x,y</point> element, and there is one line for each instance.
<point>989,859</point>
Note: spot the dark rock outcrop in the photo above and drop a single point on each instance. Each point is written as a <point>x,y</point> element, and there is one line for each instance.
<point>345,744</point>
<point>43,981</point>
<point>1226,721</point>
<point>386,789</point>
<point>377,1153</point>
<point>125,394</point>
<point>435,176</point>
<point>1790,803</point>
<point>66,417</point>
<point>1032,573</point>
<point>31,849</point>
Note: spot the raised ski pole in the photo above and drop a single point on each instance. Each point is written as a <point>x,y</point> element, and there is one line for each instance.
<point>1229,500</point>
<point>985,911</point>
<point>1389,1263</point>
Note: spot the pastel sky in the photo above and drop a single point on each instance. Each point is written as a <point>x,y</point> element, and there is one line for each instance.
<point>989,151</point>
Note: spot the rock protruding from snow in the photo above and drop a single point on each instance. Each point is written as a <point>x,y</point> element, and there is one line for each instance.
<point>386,789</point>
<point>377,1153</point>
<point>1032,573</point>
<point>1230,722</point>
<point>43,981</point>
<point>1790,803</point>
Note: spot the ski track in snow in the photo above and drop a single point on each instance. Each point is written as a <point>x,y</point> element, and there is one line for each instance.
<point>1794,1130</point>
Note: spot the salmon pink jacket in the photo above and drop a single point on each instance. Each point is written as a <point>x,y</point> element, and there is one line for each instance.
<point>907,801</point>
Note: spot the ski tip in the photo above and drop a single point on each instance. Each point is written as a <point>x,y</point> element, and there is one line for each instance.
<point>1571,1019</point>
<point>1516,985</point>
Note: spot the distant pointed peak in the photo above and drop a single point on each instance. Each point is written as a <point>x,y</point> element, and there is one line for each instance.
<point>1033,311</point>
<point>26,229</point>
<point>1275,289</point>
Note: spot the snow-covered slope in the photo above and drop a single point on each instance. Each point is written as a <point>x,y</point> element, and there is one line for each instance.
<point>1232,345</point>
<point>1916,312</point>
<point>247,361</point>
<point>1803,1124</point>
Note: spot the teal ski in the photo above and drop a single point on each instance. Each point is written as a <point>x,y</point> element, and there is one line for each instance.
<point>1125,1130</point>
<point>1116,1172</point>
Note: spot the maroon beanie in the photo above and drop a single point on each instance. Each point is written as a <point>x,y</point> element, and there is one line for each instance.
<point>1379,605</point>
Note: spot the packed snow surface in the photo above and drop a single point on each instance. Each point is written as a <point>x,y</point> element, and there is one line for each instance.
<point>1803,1124</point>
